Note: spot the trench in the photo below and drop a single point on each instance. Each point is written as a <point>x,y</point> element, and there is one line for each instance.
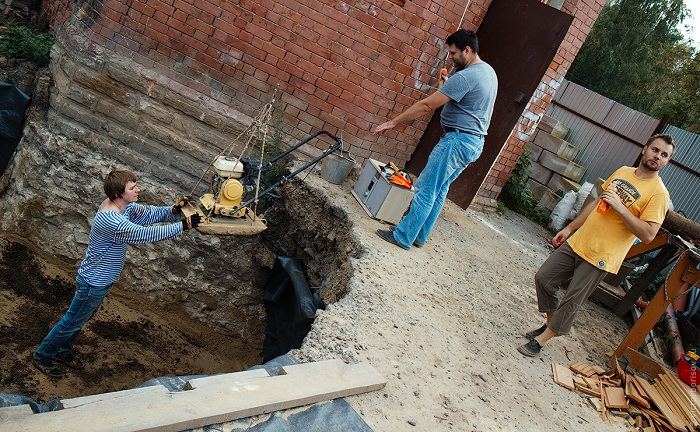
<point>135,337</point>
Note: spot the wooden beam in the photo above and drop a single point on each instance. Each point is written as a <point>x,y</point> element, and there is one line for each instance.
<point>297,385</point>
<point>641,248</point>
<point>655,266</point>
<point>659,303</point>
<point>682,226</point>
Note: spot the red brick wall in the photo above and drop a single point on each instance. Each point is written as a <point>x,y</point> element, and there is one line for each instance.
<point>57,11</point>
<point>343,66</point>
<point>585,13</point>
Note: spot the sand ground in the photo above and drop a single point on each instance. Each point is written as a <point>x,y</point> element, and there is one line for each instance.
<point>442,324</point>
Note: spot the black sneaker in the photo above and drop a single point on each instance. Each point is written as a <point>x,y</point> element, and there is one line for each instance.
<point>47,367</point>
<point>534,333</point>
<point>530,349</point>
<point>70,360</point>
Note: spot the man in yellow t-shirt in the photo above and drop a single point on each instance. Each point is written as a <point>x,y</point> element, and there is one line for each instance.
<point>636,201</point>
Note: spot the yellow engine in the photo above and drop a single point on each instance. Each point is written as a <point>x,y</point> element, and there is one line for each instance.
<point>228,191</point>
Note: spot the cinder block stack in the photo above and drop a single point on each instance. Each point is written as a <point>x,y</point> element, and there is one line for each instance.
<point>552,172</point>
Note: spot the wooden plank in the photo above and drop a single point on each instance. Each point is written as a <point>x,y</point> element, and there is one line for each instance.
<point>139,392</point>
<point>583,369</point>
<point>603,411</point>
<point>680,414</point>
<point>228,378</point>
<point>690,394</point>
<point>592,383</point>
<point>633,394</point>
<point>639,388</point>
<point>589,391</point>
<point>618,371</point>
<point>684,404</point>
<point>299,385</point>
<point>578,381</point>
<point>661,404</point>
<point>14,412</point>
<point>615,397</point>
<point>563,376</point>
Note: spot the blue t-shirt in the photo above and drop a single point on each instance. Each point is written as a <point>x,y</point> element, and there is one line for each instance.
<point>472,92</point>
<point>110,233</point>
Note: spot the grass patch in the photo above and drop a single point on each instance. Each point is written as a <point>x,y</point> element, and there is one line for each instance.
<point>516,194</point>
<point>26,42</point>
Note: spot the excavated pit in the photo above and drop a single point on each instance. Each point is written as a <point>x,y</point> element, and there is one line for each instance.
<point>135,337</point>
<point>191,306</point>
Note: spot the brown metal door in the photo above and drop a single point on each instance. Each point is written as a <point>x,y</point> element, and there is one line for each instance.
<point>519,39</point>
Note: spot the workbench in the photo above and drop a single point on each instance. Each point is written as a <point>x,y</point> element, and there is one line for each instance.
<point>685,270</point>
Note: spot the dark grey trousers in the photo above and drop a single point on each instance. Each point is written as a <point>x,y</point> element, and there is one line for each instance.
<point>564,265</point>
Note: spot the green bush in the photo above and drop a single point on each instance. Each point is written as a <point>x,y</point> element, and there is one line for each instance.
<point>516,194</point>
<point>26,42</point>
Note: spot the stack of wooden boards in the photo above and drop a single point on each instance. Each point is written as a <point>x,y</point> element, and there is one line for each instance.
<point>667,404</point>
<point>205,401</point>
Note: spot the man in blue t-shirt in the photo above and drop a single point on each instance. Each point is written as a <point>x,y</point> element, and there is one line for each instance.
<point>119,221</point>
<point>467,98</point>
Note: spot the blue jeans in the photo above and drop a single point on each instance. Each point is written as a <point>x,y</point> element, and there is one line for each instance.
<point>86,301</point>
<point>449,158</point>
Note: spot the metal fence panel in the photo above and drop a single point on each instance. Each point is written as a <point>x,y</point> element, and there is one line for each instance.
<point>683,188</point>
<point>609,135</point>
<point>687,146</point>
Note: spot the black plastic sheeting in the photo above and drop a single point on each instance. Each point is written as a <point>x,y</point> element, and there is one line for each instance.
<point>12,105</point>
<point>333,416</point>
<point>290,306</point>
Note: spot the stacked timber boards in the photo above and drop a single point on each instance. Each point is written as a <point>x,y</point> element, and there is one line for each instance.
<point>210,400</point>
<point>666,405</point>
<point>552,171</point>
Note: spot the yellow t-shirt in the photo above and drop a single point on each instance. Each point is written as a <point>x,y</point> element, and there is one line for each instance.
<point>603,240</point>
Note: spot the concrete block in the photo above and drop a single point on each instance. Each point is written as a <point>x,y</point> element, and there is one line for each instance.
<point>561,166</point>
<point>553,126</point>
<point>537,189</point>
<point>536,151</point>
<point>549,200</point>
<point>555,145</point>
<point>540,173</point>
<point>562,185</point>
<point>596,191</point>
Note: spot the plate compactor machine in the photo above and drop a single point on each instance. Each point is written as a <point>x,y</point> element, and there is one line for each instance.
<point>235,185</point>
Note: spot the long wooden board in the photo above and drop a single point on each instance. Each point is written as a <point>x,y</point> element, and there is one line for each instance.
<point>660,403</point>
<point>297,385</point>
<point>14,412</point>
<point>112,396</point>
<point>232,378</point>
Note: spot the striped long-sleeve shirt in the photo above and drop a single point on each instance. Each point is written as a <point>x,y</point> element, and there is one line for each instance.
<point>110,233</point>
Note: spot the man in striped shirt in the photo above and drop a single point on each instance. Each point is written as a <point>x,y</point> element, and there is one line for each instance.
<point>119,221</point>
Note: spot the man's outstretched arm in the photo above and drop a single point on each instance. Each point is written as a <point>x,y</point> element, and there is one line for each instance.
<point>417,110</point>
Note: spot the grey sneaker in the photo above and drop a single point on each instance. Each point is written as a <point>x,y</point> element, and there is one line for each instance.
<point>530,349</point>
